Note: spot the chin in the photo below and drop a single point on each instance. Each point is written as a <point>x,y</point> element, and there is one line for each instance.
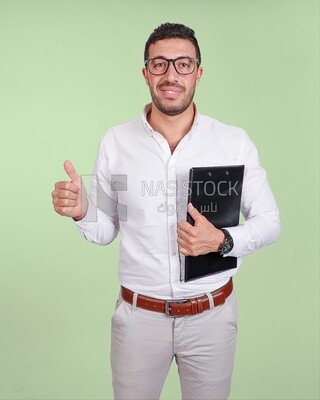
<point>171,110</point>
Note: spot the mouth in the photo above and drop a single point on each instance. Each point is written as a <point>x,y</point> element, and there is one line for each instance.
<point>171,92</point>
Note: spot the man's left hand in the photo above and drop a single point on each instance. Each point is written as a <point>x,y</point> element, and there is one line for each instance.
<point>201,238</point>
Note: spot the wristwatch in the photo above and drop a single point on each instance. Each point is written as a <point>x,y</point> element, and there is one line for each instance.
<point>227,244</point>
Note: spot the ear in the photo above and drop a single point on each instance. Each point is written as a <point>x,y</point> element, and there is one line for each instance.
<point>145,75</point>
<point>199,75</point>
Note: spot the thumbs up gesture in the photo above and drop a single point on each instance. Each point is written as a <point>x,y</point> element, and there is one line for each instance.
<point>69,197</point>
<point>201,238</point>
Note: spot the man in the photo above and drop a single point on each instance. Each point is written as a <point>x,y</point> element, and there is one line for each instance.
<point>139,190</point>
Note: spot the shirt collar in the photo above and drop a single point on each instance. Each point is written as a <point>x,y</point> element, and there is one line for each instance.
<point>148,127</point>
<point>146,124</point>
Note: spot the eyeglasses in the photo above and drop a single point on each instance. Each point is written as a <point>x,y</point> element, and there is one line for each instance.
<point>183,65</point>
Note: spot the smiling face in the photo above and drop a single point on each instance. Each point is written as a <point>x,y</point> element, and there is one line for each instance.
<point>172,93</point>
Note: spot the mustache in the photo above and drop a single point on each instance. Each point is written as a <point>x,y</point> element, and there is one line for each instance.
<point>173,84</point>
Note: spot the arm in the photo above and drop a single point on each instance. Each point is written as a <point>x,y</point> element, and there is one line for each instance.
<point>258,206</point>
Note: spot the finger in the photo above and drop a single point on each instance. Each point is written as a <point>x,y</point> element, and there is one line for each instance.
<point>184,235</point>
<point>69,168</point>
<point>64,202</point>
<point>184,251</point>
<point>65,194</point>
<point>194,213</point>
<point>181,242</point>
<point>67,185</point>
<point>187,241</point>
<point>65,211</point>
<point>184,226</point>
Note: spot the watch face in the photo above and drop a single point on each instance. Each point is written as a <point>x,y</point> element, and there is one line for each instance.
<point>228,245</point>
<point>225,248</point>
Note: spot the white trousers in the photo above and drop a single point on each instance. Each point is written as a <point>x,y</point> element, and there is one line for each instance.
<point>144,343</point>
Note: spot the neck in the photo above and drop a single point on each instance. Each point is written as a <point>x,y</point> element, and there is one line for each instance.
<point>172,128</point>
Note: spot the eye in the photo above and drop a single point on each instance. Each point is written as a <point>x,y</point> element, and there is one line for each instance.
<point>185,64</point>
<point>159,65</point>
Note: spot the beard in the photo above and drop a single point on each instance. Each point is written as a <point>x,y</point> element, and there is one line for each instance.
<point>172,107</point>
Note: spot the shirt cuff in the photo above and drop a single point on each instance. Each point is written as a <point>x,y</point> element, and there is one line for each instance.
<point>240,237</point>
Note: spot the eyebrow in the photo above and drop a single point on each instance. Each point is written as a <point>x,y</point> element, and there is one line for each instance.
<point>166,58</point>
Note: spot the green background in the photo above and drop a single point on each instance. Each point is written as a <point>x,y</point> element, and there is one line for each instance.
<point>69,70</point>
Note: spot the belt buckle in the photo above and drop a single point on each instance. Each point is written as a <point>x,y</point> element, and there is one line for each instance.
<point>167,307</point>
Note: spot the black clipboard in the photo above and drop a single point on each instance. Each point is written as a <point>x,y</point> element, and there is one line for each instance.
<point>216,193</point>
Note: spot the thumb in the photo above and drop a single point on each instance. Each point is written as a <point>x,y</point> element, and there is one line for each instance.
<point>194,213</point>
<point>69,168</point>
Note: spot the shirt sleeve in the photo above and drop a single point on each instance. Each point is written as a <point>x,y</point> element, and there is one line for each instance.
<point>258,207</point>
<point>101,222</point>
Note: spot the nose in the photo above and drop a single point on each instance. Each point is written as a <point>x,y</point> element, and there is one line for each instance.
<point>171,74</point>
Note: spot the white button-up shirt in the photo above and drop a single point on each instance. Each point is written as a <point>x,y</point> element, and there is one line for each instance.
<point>139,188</point>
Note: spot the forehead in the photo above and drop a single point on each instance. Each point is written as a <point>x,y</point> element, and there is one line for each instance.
<point>172,48</point>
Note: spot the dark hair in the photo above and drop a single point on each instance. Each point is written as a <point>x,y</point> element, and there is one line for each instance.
<point>172,31</point>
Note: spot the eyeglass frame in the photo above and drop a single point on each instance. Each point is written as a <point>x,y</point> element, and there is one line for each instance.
<point>173,62</point>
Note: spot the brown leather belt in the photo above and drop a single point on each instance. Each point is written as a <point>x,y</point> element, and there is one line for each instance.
<point>179,308</point>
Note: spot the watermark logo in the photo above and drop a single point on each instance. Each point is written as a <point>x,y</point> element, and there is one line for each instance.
<point>108,204</point>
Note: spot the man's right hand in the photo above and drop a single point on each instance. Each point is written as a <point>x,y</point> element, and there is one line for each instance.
<point>70,197</point>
